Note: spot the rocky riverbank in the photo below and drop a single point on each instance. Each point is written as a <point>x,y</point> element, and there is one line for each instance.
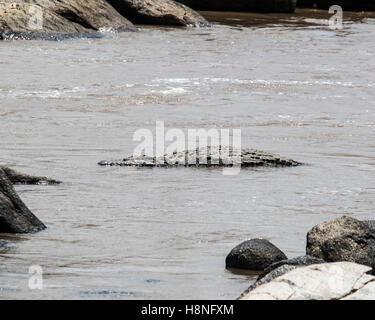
<point>339,261</point>
<point>59,20</point>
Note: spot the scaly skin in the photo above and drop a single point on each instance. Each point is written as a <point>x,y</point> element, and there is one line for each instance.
<point>247,158</point>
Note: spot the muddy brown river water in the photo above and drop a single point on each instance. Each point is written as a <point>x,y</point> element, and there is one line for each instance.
<point>293,86</point>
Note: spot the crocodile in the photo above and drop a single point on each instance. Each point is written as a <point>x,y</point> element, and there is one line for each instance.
<point>207,157</point>
<point>48,36</point>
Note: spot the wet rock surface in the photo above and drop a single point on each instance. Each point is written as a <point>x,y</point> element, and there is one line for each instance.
<point>207,157</point>
<point>15,217</point>
<point>343,239</point>
<point>328,281</point>
<point>287,6</point>
<point>269,277</point>
<point>19,19</point>
<point>254,254</point>
<point>158,12</point>
<point>74,19</point>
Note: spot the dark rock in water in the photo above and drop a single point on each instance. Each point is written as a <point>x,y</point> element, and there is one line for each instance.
<point>15,217</point>
<point>296,262</point>
<point>282,6</point>
<point>20,178</point>
<point>48,36</point>
<point>279,268</point>
<point>279,271</point>
<point>55,19</point>
<point>207,157</point>
<point>343,239</point>
<point>254,254</point>
<point>158,12</point>
<point>347,5</point>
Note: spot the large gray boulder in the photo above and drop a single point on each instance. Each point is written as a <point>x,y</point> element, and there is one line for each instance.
<point>158,12</point>
<point>60,16</point>
<point>212,157</point>
<point>254,254</point>
<point>328,281</point>
<point>15,217</point>
<point>283,6</point>
<point>343,239</point>
<point>355,5</point>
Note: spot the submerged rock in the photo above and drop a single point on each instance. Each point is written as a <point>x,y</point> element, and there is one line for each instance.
<point>343,239</point>
<point>207,157</point>
<point>15,217</point>
<point>36,19</point>
<point>20,178</point>
<point>254,254</point>
<point>328,281</point>
<point>158,12</point>
<point>269,277</point>
<point>355,5</point>
<point>282,6</point>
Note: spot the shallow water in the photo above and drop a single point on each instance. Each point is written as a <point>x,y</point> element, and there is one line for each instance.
<point>297,89</point>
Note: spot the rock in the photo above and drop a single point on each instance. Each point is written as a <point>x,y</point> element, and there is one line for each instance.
<point>254,254</point>
<point>367,292</point>
<point>158,12</point>
<point>296,262</point>
<point>15,217</point>
<point>269,277</point>
<point>59,16</point>
<point>20,178</point>
<point>343,239</point>
<point>347,5</point>
<point>214,157</point>
<point>283,6</point>
<point>328,281</point>
<point>279,268</point>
